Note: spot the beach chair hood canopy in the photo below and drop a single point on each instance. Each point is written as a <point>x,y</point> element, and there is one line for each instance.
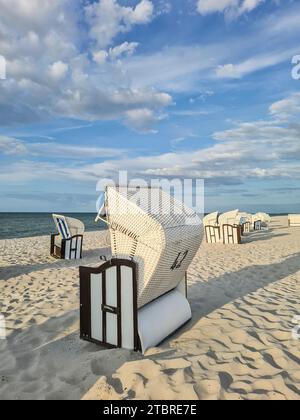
<point>263,217</point>
<point>243,217</point>
<point>229,218</point>
<point>211,219</point>
<point>158,232</point>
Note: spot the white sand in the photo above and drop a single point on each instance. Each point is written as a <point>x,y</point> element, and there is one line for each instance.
<point>239,344</point>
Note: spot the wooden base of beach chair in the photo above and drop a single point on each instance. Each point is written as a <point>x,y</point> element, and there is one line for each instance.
<point>69,249</point>
<point>246,228</point>
<point>109,314</point>
<point>231,234</point>
<point>212,234</point>
<point>257,225</point>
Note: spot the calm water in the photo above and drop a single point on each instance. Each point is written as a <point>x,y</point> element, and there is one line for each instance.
<point>23,225</point>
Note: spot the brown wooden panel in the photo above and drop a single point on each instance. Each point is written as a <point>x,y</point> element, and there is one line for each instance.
<point>85,304</point>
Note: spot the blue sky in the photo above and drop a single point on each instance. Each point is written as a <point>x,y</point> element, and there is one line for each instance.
<point>194,89</point>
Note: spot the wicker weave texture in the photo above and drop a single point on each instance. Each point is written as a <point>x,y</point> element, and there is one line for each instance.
<point>158,232</point>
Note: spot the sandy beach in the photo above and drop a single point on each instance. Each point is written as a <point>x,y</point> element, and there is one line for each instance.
<point>239,344</point>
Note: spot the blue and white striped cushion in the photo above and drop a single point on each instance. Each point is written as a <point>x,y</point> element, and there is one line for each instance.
<point>63,228</point>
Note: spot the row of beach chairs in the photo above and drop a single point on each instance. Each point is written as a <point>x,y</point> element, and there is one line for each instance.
<point>230,227</point>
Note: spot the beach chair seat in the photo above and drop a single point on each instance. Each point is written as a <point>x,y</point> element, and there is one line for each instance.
<point>67,243</point>
<point>213,234</point>
<point>257,225</point>
<point>246,228</point>
<point>211,228</point>
<point>231,234</point>
<point>138,297</point>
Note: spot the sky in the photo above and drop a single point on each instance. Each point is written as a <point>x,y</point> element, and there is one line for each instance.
<point>163,89</point>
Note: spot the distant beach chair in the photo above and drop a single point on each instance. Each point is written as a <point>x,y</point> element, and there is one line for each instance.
<point>225,228</point>
<point>261,221</point>
<point>231,230</point>
<point>213,234</point>
<point>244,219</point>
<point>257,225</point>
<point>212,229</point>
<point>294,220</point>
<point>139,297</point>
<point>246,227</point>
<point>67,243</point>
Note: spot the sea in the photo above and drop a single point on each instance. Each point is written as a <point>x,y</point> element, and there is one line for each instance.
<point>24,225</point>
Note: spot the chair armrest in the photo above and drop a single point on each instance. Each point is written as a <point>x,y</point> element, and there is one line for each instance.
<point>71,244</point>
<point>53,236</point>
<point>72,237</point>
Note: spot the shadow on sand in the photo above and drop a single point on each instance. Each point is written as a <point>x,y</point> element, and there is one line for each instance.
<point>90,257</point>
<point>206,297</point>
<point>39,344</point>
<point>261,236</point>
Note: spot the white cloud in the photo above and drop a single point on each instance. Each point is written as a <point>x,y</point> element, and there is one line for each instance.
<point>65,82</point>
<point>286,108</point>
<point>232,8</point>
<point>9,146</point>
<point>58,70</point>
<point>184,68</point>
<point>107,19</point>
<point>253,64</point>
<point>12,146</point>
<point>142,120</point>
<point>211,6</point>
<point>163,7</point>
<point>249,5</point>
<point>175,68</point>
<point>261,150</point>
<point>126,49</point>
<point>32,14</point>
<point>100,57</point>
<point>228,71</point>
<point>141,14</point>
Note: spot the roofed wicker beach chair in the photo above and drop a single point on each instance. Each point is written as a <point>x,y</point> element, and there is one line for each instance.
<point>212,229</point>
<point>294,220</point>
<point>244,219</point>
<point>230,228</point>
<point>261,221</point>
<point>139,297</point>
<point>67,243</point>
